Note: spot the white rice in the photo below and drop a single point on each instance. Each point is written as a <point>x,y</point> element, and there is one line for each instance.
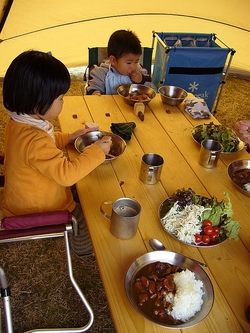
<point>188,297</point>
<point>247,187</point>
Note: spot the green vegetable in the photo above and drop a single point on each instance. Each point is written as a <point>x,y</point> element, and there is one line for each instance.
<point>221,214</point>
<point>228,210</point>
<point>225,135</point>
<point>232,228</point>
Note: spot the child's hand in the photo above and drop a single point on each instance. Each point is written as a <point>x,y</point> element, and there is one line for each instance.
<point>96,93</point>
<point>136,77</point>
<point>104,144</point>
<point>79,132</point>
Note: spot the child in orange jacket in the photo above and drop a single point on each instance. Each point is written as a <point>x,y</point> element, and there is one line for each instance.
<point>38,176</point>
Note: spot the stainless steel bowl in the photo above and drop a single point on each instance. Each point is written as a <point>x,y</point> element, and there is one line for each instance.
<point>237,166</point>
<point>172,95</point>
<point>138,89</point>
<point>177,259</point>
<point>118,146</point>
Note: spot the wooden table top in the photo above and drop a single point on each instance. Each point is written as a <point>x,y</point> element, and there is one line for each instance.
<point>165,131</point>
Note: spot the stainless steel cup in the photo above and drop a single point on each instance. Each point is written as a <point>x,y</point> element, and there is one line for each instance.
<point>151,167</point>
<point>124,218</point>
<point>209,153</point>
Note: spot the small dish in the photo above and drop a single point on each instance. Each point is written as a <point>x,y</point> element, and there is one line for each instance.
<point>172,95</point>
<point>118,146</point>
<point>239,173</point>
<point>138,90</point>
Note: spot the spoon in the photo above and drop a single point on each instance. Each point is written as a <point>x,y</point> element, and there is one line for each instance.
<point>130,89</point>
<point>110,155</point>
<point>158,246</point>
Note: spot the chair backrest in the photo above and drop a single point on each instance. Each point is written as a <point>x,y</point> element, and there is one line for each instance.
<point>98,54</point>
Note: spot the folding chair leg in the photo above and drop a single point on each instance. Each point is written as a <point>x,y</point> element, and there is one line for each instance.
<point>74,283</point>
<point>5,295</point>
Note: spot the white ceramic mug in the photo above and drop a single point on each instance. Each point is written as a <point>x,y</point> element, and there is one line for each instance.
<point>151,167</point>
<point>124,218</point>
<point>209,153</point>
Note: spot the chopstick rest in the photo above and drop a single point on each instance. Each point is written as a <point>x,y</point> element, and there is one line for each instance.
<point>139,109</point>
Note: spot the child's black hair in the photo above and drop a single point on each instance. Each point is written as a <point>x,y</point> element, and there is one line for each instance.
<point>33,81</point>
<point>122,42</point>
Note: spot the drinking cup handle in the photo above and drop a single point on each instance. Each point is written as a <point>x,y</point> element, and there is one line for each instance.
<point>150,173</point>
<point>107,203</point>
<point>212,158</point>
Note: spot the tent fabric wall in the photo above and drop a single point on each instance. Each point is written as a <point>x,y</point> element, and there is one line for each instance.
<point>68,28</point>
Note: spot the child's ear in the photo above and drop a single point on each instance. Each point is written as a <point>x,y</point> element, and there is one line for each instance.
<point>112,60</point>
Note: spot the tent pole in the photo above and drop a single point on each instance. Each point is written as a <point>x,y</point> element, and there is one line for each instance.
<point>6,13</point>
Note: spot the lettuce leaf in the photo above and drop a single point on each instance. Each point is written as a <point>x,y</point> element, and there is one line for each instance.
<point>221,214</point>
<point>228,209</point>
<point>231,228</point>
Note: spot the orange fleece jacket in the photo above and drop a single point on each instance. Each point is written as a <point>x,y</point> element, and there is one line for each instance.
<point>37,174</point>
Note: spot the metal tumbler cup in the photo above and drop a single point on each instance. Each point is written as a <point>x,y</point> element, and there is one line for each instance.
<point>209,153</point>
<point>124,217</point>
<point>151,167</point>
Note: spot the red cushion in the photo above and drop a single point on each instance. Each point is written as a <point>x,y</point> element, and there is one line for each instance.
<point>35,220</point>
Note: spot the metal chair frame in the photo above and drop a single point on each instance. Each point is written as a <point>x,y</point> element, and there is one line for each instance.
<point>59,230</point>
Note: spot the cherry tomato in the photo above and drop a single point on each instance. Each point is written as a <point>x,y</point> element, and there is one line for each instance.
<point>216,229</point>
<point>198,238</point>
<point>208,230</point>
<point>207,223</point>
<point>205,239</point>
<point>214,236</point>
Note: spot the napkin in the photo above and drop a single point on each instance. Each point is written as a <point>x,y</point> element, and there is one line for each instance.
<point>197,107</point>
<point>125,130</point>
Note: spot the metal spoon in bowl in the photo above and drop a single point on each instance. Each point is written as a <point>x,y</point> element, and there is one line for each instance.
<point>110,155</point>
<point>158,246</point>
<point>130,89</point>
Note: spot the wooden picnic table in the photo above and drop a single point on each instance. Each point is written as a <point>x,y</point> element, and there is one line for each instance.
<point>166,131</point>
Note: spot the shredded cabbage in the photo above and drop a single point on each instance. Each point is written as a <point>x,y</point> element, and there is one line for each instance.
<point>185,222</point>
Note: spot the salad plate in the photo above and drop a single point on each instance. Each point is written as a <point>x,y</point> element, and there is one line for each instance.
<point>184,216</point>
<point>225,135</point>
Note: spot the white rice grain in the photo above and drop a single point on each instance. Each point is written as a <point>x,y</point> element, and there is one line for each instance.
<point>188,297</point>
<point>247,187</point>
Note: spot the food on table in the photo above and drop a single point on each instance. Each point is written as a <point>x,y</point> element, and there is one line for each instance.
<point>242,129</point>
<point>225,135</point>
<point>197,220</point>
<point>242,178</point>
<point>167,293</point>
<point>138,97</point>
<point>92,125</point>
<point>247,187</point>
